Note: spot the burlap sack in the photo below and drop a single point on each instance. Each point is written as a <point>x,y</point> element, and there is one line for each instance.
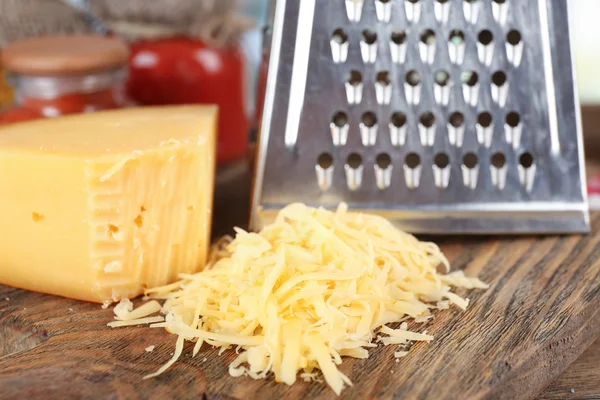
<point>216,21</point>
<point>21,19</point>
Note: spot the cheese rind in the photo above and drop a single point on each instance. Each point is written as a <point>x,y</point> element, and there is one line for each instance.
<point>100,206</point>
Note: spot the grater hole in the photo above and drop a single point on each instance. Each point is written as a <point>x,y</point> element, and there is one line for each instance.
<point>513,37</point>
<point>383,160</point>
<point>383,78</point>
<point>369,119</point>
<point>383,9</point>
<point>499,78</point>
<point>442,78</point>
<point>354,160</point>
<point>470,160</point>
<point>354,87</point>
<point>457,119</point>
<point>325,160</point>
<point>413,78</point>
<point>398,119</point>
<point>485,119</point>
<point>457,37</point>
<point>441,160</point>
<point>526,160</point>
<point>339,36</point>
<point>355,78</point>
<point>340,119</point>
<point>414,1</point>
<point>471,1</point>
<point>513,119</point>
<point>399,37</point>
<point>485,37</point>
<point>441,1</point>
<point>369,36</point>
<point>499,1</point>
<point>428,37</point>
<point>339,45</point>
<point>498,160</point>
<point>427,119</point>
<point>412,160</point>
<point>469,78</point>
<point>382,87</point>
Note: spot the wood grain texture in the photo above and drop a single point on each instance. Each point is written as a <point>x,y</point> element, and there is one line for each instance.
<point>583,377</point>
<point>539,315</point>
<point>590,118</point>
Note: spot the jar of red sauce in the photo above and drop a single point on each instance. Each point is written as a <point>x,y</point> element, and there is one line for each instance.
<point>61,75</point>
<point>183,70</point>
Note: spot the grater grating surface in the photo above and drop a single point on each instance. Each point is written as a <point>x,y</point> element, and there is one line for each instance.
<point>445,116</point>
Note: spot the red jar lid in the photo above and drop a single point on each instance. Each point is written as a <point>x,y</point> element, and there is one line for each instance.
<point>64,55</point>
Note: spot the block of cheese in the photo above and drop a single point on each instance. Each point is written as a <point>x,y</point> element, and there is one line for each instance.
<point>99,206</point>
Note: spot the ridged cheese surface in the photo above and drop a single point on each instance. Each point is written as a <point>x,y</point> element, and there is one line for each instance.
<point>100,206</point>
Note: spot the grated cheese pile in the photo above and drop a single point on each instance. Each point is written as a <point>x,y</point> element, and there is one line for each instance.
<point>310,288</point>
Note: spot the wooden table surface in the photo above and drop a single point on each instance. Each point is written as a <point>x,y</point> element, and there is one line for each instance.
<point>583,376</point>
<point>540,313</point>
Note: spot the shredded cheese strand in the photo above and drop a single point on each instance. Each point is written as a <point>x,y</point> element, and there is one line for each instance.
<point>141,321</point>
<point>126,313</point>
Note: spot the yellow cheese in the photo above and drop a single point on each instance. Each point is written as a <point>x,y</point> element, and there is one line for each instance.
<point>100,206</point>
<point>312,287</point>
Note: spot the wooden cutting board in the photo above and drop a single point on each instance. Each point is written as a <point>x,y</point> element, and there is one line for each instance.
<point>539,315</point>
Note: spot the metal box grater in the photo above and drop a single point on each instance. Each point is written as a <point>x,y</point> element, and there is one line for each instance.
<point>445,116</point>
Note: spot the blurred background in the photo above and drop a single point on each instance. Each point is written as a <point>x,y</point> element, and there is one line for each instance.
<point>187,51</point>
<point>586,32</point>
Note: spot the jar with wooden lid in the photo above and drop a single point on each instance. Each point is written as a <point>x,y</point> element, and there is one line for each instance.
<point>61,75</point>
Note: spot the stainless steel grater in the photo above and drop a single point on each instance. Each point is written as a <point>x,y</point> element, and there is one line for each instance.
<point>445,116</point>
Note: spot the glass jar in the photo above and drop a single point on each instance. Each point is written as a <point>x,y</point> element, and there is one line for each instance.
<point>72,75</point>
<point>183,70</point>
<point>48,97</point>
